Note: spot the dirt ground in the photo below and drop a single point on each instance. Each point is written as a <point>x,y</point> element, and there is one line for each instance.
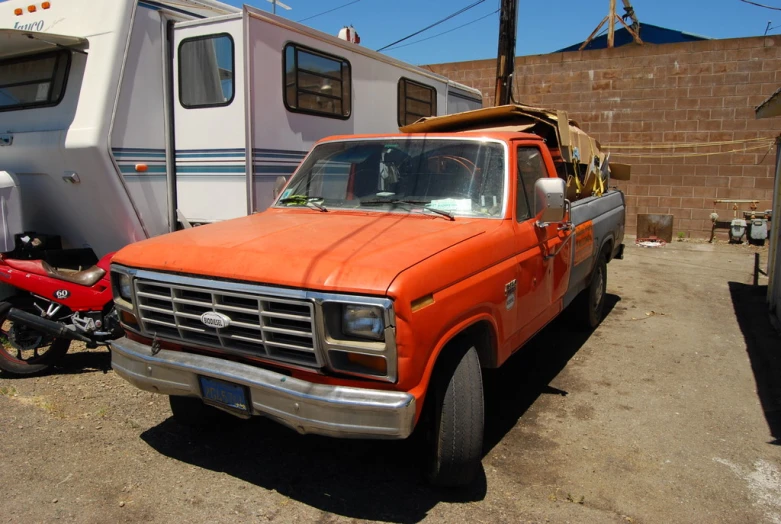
<point>668,412</point>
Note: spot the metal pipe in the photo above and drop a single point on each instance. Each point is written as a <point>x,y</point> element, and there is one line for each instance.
<point>168,118</point>
<point>49,327</point>
<point>774,250</point>
<point>249,153</point>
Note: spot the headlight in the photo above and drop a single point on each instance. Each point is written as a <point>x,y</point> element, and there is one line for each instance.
<point>124,286</point>
<point>363,322</point>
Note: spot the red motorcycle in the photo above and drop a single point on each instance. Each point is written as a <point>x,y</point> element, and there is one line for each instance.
<point>53,306</point>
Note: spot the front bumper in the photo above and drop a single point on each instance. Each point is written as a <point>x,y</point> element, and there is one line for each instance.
<point>335,411</point>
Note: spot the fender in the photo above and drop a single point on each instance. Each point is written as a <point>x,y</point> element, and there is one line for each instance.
<point>420,390</point>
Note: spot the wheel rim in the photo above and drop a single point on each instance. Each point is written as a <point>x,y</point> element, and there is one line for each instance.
<point>23,346</point>
<point>599,285</point>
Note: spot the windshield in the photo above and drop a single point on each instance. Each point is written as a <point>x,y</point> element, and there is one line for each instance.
<point>458,177</point>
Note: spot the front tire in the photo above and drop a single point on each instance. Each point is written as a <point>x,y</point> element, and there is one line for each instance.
<point>457,420</point>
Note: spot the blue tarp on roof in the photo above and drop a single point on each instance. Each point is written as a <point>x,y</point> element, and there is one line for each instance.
<point>652,34</point>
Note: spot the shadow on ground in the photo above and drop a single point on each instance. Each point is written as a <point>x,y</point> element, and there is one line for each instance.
<point>364,479</point>
<point>763,345</point>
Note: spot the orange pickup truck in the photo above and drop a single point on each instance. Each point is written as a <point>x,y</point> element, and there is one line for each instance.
<point>366,300</point>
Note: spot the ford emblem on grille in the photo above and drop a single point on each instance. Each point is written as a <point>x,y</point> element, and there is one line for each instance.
<point>215,320</point>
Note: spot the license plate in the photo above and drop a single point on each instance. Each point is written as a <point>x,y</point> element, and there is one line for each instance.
<point>224,393</point>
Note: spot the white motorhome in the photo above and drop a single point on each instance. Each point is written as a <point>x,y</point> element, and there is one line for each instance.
<point>122,118</point>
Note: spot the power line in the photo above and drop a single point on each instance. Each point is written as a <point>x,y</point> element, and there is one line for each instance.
<point>416,33</point>
<point>329,11</point>
<point>445,32</point>
<point>761,5</point>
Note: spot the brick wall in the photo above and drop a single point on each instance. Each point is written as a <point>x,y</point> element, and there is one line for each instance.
<point>695,92</point>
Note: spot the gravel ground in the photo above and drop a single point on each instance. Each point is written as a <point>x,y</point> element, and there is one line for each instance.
<point>668,412</point>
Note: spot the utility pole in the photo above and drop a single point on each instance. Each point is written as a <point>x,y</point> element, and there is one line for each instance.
<point>505,60</point>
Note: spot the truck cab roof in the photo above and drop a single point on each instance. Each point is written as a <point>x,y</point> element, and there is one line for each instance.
<point>502,135</point>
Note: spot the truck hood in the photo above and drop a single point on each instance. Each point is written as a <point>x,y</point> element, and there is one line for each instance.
<point>333,251</point>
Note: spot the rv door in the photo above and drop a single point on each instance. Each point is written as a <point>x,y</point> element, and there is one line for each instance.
<point>209,119</point>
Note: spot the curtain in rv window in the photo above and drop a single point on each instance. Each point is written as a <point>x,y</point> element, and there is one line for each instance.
<point>415,101</point>
<point>33,80</point>
<point>206,71</point>
<point>316,82</point>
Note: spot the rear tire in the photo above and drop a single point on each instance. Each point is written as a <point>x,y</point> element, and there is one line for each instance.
<point>590,303</point>
<point>192,412</point>
<point>456,420</point>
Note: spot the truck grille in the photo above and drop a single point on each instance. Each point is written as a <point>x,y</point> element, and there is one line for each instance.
<point>270,327</point>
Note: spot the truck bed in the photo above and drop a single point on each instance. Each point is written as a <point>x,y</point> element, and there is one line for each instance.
<point>606,215</point>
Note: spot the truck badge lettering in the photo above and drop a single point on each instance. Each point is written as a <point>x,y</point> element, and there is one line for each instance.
<point>509,293</point>
<point>215,320</point>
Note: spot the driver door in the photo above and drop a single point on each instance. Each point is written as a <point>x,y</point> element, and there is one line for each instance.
<point>534,245</point>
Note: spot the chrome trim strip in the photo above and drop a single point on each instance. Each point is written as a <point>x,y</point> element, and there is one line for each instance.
<point>336,411</point>
<point>247,287</point>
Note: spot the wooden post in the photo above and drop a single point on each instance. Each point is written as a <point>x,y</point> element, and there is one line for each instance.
<point>756,269</point>
<point>611,24</point>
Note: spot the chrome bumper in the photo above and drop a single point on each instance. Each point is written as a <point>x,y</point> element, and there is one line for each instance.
<point>335,411</point>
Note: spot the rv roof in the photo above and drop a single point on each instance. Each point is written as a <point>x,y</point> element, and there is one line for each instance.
<point>205,8</point>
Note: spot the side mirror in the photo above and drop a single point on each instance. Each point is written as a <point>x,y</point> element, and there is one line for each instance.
<point>549,201</point>
<point>279,184</point>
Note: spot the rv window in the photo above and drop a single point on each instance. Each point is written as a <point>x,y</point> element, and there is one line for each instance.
<point>415,101</point>
<point>33,81</point>
<point>206,65</point>
<point>316,83</point>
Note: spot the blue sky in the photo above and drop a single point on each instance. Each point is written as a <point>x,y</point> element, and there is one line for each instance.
<point>543,26</point>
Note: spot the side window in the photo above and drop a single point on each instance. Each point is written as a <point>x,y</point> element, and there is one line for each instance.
<point>415,101</point>
<point>33,81</point>
<point>206,66</point>
<point>530,169</point>
<point>316,83</point>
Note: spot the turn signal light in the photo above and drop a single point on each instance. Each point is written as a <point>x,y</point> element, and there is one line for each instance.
<point>128,318</point>
<point>376,364</point>
<point>18,11</point>
<point>142,168</point>
<point>31,8</point>
<point>46,5</point>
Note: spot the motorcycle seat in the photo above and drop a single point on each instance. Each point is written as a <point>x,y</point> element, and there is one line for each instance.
<point>87,277</point>
<point>29,266</point>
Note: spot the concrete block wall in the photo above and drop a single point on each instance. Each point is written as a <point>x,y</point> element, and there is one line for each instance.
<point>633,97</point>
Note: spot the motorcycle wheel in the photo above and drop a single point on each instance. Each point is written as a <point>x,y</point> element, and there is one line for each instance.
<point>25,351</point>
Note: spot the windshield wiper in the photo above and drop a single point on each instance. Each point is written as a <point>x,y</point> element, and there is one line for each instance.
<point>380,202</point>
<point>302,200</point>
<point>440,212</point>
